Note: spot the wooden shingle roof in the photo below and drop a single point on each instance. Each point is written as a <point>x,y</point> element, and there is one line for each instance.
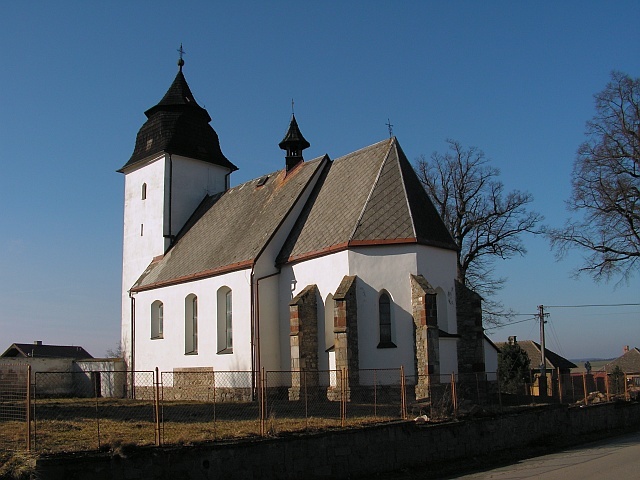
<point>178,125</point>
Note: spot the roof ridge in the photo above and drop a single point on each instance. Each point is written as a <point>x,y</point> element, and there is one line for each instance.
<point>275,172</point>
<point>371,190</point>
<point>404,188</point>
<point>360,150</point>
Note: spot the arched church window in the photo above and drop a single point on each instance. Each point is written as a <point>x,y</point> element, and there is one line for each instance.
<point>191,325</point>
<point>157,319</point>
<point>225,320</point>
<point>385,321</point>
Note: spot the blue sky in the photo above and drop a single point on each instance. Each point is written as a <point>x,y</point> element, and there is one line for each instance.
<point>515,79</point>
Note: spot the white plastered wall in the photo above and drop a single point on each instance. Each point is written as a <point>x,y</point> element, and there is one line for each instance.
<point>143,231</point>
<point>438,267</point>
<point>169,352</point>
<point>192,181</point>
<point>326,273</point>
<point>448,358</point>
<point>146,221</point>
<point>386,268</point>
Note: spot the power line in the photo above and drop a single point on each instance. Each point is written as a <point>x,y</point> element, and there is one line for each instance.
<point>595,305</point>
<point>511,323</point>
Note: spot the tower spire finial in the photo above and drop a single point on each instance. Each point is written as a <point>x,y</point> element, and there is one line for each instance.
<point>390,127</point>
<point>292,111</point>
<point>181,60</point>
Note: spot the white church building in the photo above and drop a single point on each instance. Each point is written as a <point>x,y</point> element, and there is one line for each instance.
<point>325,264</point>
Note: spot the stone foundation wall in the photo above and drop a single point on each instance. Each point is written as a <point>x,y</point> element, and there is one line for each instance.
<point>341,454</point>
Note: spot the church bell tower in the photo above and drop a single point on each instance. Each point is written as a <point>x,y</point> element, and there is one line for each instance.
<point>175,163</point>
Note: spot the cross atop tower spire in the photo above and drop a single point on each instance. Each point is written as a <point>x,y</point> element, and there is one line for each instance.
<point>181,60</point>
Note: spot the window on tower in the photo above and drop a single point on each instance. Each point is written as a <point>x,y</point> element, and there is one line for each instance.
<point>144,191</point>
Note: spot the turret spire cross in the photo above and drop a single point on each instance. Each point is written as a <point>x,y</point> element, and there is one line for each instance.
<point>390,127</point>
<point>181,60</point>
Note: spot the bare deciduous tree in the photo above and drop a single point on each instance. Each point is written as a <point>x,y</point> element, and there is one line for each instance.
<point>485,222</point>
<point>606,186</point>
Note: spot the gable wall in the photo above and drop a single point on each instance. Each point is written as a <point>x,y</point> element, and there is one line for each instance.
<point>192,181</point>
<point>169,352</point>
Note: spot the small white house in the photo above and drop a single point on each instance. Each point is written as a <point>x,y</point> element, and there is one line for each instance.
<point>325,264</point>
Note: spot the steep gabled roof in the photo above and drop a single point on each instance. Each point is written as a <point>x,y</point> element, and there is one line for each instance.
<point>228,231</point>
<point>38,350</point>
<point>629,362</point>
<point>178,125</point>
<point>553,360</point>
<point>369,197</point>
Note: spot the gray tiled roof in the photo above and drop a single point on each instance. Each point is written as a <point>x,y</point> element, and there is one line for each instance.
<point>371,196</point>
<point>229,230</point>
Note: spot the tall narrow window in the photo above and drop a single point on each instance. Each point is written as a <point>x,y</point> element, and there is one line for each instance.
<point>191,325</point>
<point>144,191</point>
<point>225,320</point>
<point>384,318</point>
<point>157,319</point>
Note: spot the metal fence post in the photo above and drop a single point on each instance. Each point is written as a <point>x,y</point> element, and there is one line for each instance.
<point>156,401</point>
<point>584,387</point>
<point>343,397</point>
<point>403,394</point>
<point>28,415</point>
<point>499,390</point>
<point>262,401</point>
<point>454,394</point>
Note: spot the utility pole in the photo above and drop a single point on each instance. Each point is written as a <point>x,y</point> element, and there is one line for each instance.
<point>542,385</point>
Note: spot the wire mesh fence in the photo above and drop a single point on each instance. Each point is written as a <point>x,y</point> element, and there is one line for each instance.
<point>73,411</point>
<point>14,407</point>
<point>79,411</point>
<point>198,406</point>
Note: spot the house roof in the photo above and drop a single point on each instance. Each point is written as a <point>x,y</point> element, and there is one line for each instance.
<point>629,362</point>
<point>228,231</point>
<point>553,360</point>
<point>46,351</point>
<point>178,125</point>
<point>369,197</point>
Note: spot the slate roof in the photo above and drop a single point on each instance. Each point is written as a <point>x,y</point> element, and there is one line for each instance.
<point>629,362</point>
<point>178,125</point>
<point>228,231</point>
<point>553,360</point>
<point>46,351</point>
<point>369,197</point>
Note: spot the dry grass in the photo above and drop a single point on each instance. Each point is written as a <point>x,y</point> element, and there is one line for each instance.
<point>72,424</point>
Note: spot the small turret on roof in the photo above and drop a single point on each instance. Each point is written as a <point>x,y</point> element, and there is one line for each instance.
<point>294,143</point>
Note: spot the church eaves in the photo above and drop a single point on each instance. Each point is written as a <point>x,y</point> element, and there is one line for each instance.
<point>178,125</point>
